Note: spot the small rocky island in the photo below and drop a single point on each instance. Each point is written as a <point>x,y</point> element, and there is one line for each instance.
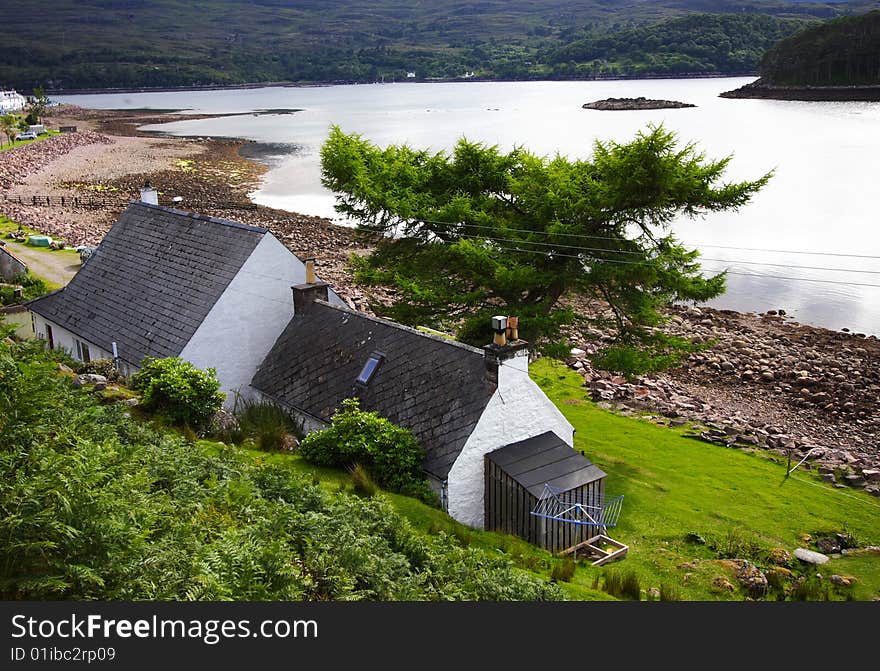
<point>640,103</point>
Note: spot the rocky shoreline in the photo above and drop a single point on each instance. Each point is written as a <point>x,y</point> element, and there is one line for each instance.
<point>763,382</point>
<point>640,103</point>
<point>762,90</point>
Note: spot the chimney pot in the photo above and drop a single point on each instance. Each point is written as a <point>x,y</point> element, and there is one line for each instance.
<point>311,278</point>
<point>499,325</point>
<point>513,328</point>
<point>149,194</point>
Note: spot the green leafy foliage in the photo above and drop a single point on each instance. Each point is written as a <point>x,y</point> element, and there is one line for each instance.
<point>32,287</point>
<point>178,390</point>
<point>480,231</point>
<point>389,453</point>
<point>95,505</point>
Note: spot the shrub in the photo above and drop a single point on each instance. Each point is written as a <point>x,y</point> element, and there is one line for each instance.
<point>32,287</point>
<point>178,390</point>
<point>389,453</point>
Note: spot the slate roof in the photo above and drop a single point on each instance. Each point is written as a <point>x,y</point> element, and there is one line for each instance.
<point>545,459</point>
<point>151,281</point>
<point>435,387</point>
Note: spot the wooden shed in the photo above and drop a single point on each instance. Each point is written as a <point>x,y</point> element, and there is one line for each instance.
<point>516,476</point>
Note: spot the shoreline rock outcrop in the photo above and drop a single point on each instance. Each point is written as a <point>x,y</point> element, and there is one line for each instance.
<point>640,103</point>
<point>761,90</point>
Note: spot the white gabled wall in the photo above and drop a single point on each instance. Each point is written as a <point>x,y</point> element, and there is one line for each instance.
<point>247,319</point>
<point>518,410</point>
<point>64,339</point>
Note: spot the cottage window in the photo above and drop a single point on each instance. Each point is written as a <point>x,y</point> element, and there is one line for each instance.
<point>370,368</point>
<point>82,352</point>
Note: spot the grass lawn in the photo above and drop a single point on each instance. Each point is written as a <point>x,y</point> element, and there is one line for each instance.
<point>739,502</point>
<point>6,145</point>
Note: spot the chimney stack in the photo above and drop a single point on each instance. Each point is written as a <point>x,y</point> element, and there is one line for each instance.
<point>506,348</point>
<point>149,195</point>
<point>306,294</point>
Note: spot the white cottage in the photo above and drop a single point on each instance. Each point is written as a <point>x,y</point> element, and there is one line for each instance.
<point>462,403</point>
<point>165,283</point>
<point>11,101</point>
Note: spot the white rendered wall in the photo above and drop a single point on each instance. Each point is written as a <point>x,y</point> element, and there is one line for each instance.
<point>247,319</point>
<point>64,339</point>
<point>518,410</point>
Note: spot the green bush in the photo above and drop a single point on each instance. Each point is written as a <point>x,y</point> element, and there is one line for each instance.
<point>178,390</point>
<point>32,287</point>
<point>389,453</point>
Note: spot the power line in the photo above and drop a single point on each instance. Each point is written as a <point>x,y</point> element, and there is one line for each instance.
<point>729,272</point>
<point>623,251</point>
<point>608,237</point>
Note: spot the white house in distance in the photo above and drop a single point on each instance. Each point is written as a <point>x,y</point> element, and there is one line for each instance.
<point>166,283</point>
<point>462,404</point>
<point>11,101</point>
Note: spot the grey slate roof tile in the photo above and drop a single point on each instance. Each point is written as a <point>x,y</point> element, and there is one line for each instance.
<point>152,280</point>
<point>545,459</point>
<point>435,387</point>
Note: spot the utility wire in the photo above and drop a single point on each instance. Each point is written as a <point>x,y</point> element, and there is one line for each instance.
<point>607,237</point>
<point>702,258</point>
<point>729,272</point>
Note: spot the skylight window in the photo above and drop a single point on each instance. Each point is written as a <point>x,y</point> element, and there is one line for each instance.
<point>370,368</point>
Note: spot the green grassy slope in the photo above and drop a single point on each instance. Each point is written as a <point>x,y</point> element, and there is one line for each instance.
<point>126,43</point>
<point>675,485</point>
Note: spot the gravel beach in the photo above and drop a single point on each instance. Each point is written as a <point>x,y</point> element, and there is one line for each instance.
<point>764,383</point>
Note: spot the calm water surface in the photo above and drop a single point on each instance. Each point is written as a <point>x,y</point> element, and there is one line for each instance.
<point>818,216</point>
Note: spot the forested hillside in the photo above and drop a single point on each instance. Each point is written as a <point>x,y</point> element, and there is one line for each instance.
<point>69,44</point>
<point>843,52</point>
<point>704,43</point>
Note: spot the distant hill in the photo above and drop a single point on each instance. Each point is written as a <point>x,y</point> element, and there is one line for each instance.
<point>842,52</point>
<point>74,44</point>
<point>697,43</point>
